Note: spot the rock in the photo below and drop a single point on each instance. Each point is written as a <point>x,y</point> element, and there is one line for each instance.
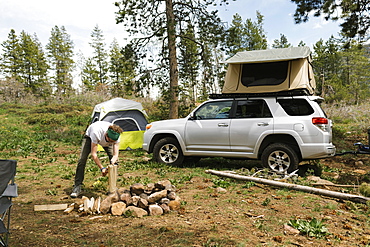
<point>165,208</point>
<point>135,211</point>
<point>135,200</point>
<point>175,204</point>
<point>117,208</point>
<point>144,196</point>
<point>164,201</point>
<point>149,188</point>
<point>137,188</point>
<point>154,209</point>
<point>105,205</point>
<point>221,190</point>
<point>163,184</point>
<point>171,195</point>
<point>290,230</point>
<point>360,171</point>
<point>126,198</point>
<point>142,203</point>
<point>157,196</point>
<point>114,197</point>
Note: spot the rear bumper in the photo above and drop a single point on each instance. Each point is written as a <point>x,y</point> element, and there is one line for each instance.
<point>317,151</point>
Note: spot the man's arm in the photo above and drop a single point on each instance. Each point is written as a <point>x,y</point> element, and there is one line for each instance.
<point>115,153</point>
<point>94,155</point>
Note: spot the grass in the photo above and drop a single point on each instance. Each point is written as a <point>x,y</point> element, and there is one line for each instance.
<point>248,214</point>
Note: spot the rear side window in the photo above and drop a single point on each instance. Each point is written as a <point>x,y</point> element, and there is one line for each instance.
<point>296,107</point>
<point>252,109</point>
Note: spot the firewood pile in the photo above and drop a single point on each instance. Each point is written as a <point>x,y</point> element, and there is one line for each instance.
<point>137,201</point>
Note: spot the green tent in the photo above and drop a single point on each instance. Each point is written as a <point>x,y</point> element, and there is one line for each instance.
<point>129,115</point>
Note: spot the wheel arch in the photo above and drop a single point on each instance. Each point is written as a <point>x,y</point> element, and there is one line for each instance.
<point>280,138</point>
<point>157,137</point>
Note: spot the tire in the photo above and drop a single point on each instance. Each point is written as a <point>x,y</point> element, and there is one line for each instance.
<point>280,158</point>
<point>168,151</point>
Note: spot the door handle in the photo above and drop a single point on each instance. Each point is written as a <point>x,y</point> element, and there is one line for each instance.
<point>263,124</point>
<point>223,125</point>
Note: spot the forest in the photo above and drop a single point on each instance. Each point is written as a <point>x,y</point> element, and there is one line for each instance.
<point>190,44</point>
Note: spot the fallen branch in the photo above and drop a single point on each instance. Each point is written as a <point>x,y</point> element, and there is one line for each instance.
<point>343,196</point>
<point>336,185</point>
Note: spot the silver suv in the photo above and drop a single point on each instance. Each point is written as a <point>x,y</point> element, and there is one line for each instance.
<point>281,131</point>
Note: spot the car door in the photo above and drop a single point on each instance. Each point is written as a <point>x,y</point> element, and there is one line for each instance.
<point>209,128</point>
<point>253,119</point>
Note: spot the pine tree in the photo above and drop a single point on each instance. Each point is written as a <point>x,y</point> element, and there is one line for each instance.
<point>60,53</point>
<point>10,63</point>
<point>160,20</point>
<point>122,67</point>
<point>189,62</point>
<point>100,56</point>
<point>255,37</point>
<point>354,15</point>
<point>282,42</point>
<point>34,67</point>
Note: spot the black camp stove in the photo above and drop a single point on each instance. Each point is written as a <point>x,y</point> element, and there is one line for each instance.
<point>361,148</point>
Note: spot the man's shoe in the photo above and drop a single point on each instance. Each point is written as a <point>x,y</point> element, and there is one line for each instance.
<point>76,191</point>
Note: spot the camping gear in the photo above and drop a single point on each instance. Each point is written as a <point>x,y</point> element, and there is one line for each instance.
<point>127,114</point>
<point>272,70</point>
<point>7,192</point>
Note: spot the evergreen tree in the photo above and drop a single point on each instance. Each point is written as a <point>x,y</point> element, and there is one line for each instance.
<point>123,64</point>
<point>162,20</point>
<point>255,37</point>
<point>282,42</point>
<point>89,75</point>
<point>10,63</point>
<point>355,14</point>
<point>34,67</point>
<point>235,36</point>
<point>99,58</point>
<point>245,37</point>
<point>189,63</point>
<point>60,53</point>
<point>327,63</point>
<point>356,73</point>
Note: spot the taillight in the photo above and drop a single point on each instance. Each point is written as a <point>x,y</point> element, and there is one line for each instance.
<point>321,123</point>
<point>320,120</point>
<point>148,126</point>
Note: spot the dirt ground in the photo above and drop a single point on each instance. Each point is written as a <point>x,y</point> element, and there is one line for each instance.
<point>241,216</point>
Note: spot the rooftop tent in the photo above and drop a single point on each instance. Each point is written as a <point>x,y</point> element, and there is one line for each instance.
<point>129,115</point>
<point>272,70</point>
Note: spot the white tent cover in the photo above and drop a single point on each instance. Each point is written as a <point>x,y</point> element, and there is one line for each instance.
<point>117,104</point>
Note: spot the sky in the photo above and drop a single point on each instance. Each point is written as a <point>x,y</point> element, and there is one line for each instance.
<point>79,17</point>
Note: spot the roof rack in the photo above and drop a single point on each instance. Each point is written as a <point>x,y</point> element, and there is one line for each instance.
<point>296,92</point>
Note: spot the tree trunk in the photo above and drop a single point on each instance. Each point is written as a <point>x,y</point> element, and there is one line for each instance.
<point>174,102</point>
<point>343,196</point>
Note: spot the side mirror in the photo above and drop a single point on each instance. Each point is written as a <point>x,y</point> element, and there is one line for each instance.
<point>192,117</point>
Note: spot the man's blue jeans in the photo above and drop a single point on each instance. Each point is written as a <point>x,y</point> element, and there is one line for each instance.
<point>85,151</point>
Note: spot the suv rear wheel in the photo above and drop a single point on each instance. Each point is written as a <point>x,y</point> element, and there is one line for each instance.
<point>280,158</point>
<point>168,151</point>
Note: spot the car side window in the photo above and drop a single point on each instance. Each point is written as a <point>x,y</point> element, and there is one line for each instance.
<point>252,109</point>
<point>214,110</point>
<point>296,107</point>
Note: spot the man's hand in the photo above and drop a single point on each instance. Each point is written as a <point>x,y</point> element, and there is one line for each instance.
<point>104,171</point>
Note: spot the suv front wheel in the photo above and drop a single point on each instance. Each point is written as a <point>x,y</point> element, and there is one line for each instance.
<point>280,158</point>
<point>168,151</point>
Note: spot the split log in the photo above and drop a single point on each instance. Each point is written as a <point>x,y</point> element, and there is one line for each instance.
<point>333,194</point>
<point>50,207</point>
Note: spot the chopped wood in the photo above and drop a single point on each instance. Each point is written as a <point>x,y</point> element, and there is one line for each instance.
<point>50,207</point>
<point>112,178</point>
<point>333,194</point>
